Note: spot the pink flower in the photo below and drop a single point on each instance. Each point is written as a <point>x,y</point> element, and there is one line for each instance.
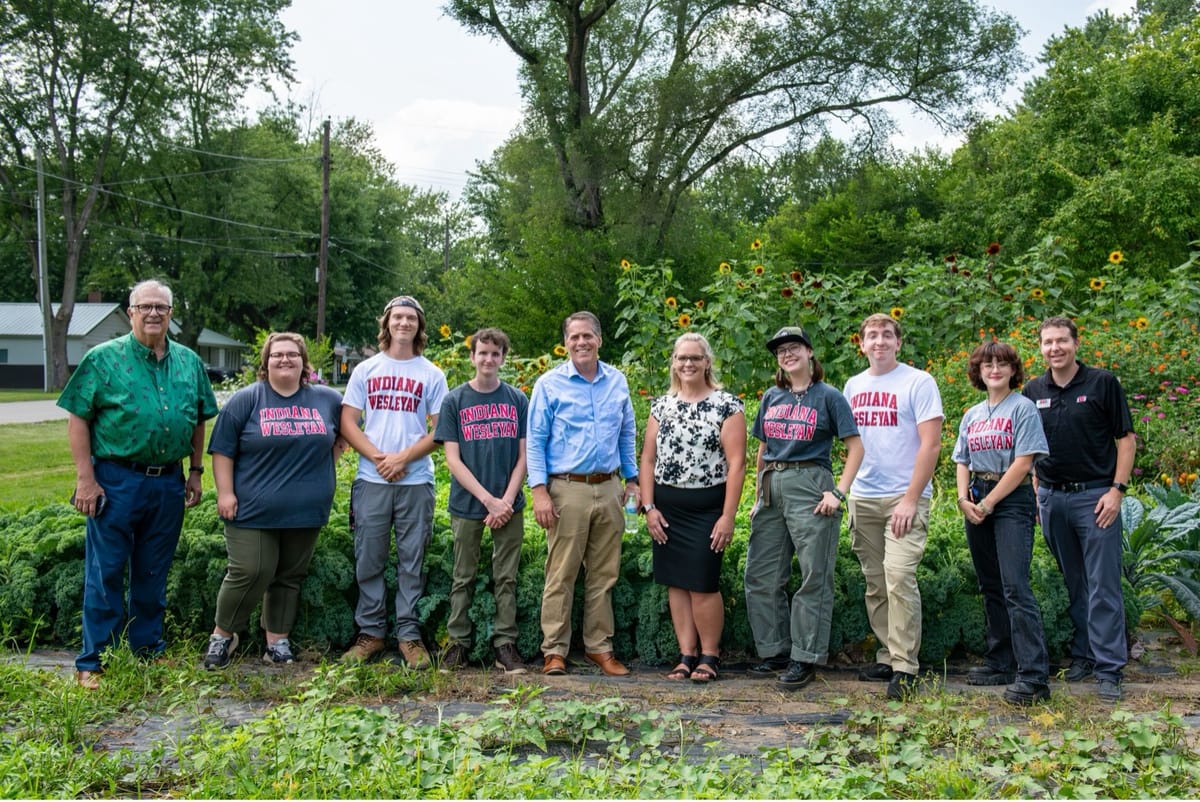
<point>1162,415</point>
<point>1145,419</point>
<point>1181,389</point>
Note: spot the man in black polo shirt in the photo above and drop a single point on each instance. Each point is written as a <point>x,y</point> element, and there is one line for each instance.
<point>1080,487</point>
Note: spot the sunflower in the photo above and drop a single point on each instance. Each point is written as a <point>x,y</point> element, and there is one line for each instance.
<point>685,320</point>
<point>759,270</point>
<point>787,292</point>
<point>1037,294</point>
<point>671,302</point>
<point>625,264</point>
<point>724,267</point>
<point>855,339</point>
<point>993,249</point>
<point>896,312</point>
<point>754,246</point>
<point>444,330</point>
<point>741,285</point>
<point>1096,284</point>
<point>700,304</point>
<point>1140,323</point>
<point>965,272</point>
<point>951,259</point>
<point>543,363</point>
<point>1116,257</point>
<point>796,276</point>
<point>808,304</point>
<point>560,350</point>
<point>467,340</point>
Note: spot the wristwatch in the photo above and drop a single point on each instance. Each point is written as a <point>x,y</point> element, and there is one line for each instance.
<point>1124,488</point>
<point>646,508</point>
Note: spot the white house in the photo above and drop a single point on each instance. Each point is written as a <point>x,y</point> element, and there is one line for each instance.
<point>21,356</point>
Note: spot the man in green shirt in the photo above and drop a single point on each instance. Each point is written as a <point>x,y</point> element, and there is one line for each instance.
<point>137,407</point>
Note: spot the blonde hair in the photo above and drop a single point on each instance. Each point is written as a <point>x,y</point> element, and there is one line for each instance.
<point>710,378</point>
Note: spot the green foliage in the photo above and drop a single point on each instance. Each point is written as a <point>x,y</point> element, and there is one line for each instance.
<point>1162,550</point>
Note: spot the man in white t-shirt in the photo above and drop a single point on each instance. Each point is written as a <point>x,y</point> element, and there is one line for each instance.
<point>898,411</point>
<point>397,394</point>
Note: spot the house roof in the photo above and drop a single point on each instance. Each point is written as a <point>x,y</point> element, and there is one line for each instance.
<point>25,320</point>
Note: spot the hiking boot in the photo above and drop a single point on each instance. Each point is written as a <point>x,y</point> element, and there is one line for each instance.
<point>1078,671</point>
<point>797,675</point>
<point>902,686</point>
<point>1026,693</point>
<point>508,659</point>
<point>364,649</point>
<point>279,653</point>
<point>771,666</point>
<point>986,675</point>
<point>876,672</point>
<point>220,650</point>
<point>1109,690</point>
<point>454,658</point>
<point>415,655</point>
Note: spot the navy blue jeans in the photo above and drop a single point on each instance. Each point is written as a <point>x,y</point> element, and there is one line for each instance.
<point>1001,549</point>
<point>137,532</point>
<point>1090,560</point>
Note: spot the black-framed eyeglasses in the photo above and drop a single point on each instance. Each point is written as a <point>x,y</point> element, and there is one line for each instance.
<point>145,309</point>
<point>788,350</point>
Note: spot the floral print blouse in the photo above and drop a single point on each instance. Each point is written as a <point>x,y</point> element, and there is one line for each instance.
<point>689,452</point>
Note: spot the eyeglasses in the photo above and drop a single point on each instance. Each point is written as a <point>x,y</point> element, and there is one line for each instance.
<point>145,309</point>
<point>790,350</point>
<point>689,358</point>
<point>279,356</point>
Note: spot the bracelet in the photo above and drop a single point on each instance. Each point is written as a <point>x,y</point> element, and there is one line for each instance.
<point>839,495</point>
<point>986,509</point>
<point>196,469</point>
<point>961,499</point>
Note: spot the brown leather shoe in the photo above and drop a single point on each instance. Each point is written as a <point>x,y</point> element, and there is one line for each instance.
<point>608,663</point>
<point>88,680</point>
<point>555,665</point>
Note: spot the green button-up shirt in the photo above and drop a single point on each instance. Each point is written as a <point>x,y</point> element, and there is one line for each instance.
<point>140,408</point>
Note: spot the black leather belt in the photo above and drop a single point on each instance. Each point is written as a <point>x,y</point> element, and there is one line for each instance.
<point>585,478</point>
<point>988,476</point>
<point>1076,487</point>
<point>144,469</point>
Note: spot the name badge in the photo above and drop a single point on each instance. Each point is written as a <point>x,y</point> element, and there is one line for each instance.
<point>1043,403</point>
<point>1082,399</point>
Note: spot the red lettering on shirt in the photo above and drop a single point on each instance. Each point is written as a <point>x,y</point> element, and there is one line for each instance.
<point>874,408</point>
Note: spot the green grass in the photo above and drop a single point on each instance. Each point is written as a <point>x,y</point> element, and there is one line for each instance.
<point>35,464</point>
<point>26,395</point>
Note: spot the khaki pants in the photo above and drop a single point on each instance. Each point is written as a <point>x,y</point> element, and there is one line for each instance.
<point>506,561</point>
<point>889,566</point>
<point>588,535</point>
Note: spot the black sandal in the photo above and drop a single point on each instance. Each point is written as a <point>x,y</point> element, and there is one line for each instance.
<point>683,670</point>
<point>706,670</point>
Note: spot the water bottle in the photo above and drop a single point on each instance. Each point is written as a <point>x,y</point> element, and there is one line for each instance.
<point>631,515</point>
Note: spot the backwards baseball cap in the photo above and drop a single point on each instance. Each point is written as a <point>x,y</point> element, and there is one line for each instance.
<point>788,334</point>
<point>404,300</point>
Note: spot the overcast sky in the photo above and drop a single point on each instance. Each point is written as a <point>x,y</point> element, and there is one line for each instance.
<point>440,100</point>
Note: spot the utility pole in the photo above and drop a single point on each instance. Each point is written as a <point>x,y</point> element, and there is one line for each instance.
<point>323,250</point>
<point>43,274</point>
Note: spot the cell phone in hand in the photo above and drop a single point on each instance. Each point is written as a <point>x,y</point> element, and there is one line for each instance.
<point>101,501</point>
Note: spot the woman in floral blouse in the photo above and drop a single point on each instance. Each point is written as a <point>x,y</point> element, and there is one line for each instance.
<point>692,470</point>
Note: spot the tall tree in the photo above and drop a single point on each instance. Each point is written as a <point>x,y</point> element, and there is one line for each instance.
<point>649,96</point>
<point>92,82</point>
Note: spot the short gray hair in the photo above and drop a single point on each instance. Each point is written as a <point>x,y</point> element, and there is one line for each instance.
<point>148,284</point>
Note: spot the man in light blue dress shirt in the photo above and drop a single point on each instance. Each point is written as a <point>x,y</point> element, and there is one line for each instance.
<point>581,441</point>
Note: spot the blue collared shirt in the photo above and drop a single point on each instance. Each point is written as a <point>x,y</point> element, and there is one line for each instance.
<point>577,426</point>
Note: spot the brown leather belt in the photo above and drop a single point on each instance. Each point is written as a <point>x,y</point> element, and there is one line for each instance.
<point>988,476</point>
<point>585,478</point>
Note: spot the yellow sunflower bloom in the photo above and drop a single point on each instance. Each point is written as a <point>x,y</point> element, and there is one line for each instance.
<point>700,304</point>
<point>1037,294</point>
<point>1141,323</point>
<point>754,246</point>
<point>759,270</point>
<point>560,350</point>
<point>685,320</point>
<point>1116,257</point>
<point>444,330</point>
<point>467,340</point>
<point>896,312</point>
<point>671,302</point>
<point>1097,284</point>
<point>724,267</point>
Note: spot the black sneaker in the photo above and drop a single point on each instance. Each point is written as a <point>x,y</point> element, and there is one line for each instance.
<point>1026,693</point>
<point>279,653</point>
<point>771,666</point>
<point>986,675</point>
<point>1078,671</point>
<point>1109,690</point>
<point>797,675</point>
<point>902,686</point>
<point>508,659</point>
<point>220,650</point>
<point>455,657</point>
<point>875,672</point>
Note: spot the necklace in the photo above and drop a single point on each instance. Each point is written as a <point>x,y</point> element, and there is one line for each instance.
<point>991,408</point>
<point>799,396</point>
